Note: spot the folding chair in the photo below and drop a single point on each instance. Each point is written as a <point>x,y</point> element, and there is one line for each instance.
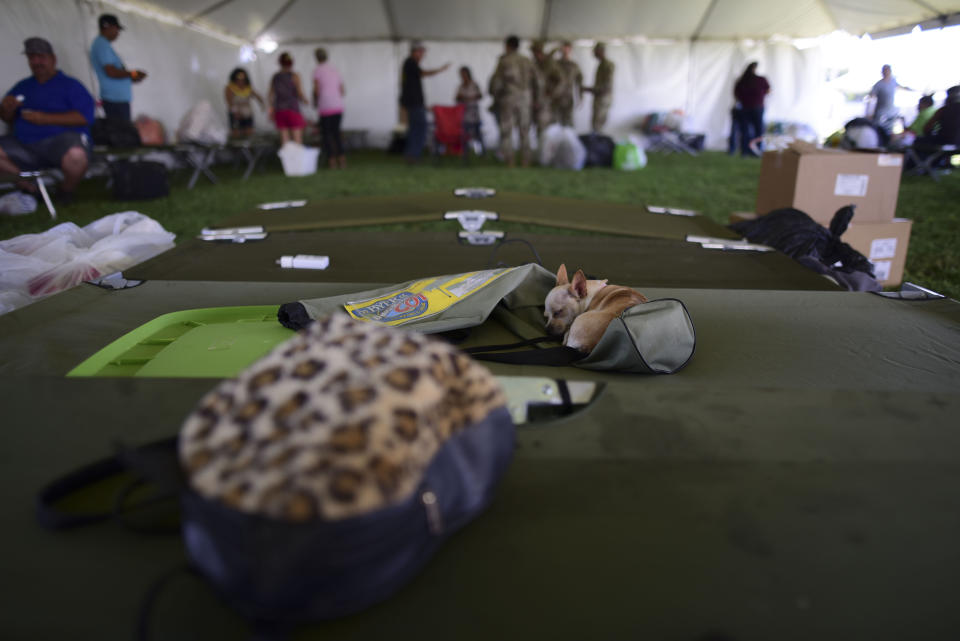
<point>924,159</point>
<point>663,135</point>
<point>449,137</point>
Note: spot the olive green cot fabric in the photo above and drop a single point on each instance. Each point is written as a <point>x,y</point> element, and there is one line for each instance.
<point>796,480</point>
<point>398,256</point>
<point>830,341</point>
<point>567,213</point>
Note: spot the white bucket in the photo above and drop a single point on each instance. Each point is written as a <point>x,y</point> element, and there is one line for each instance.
<point>298,160</point>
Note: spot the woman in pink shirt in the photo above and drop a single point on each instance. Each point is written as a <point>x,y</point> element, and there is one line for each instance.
<point>328,99</point>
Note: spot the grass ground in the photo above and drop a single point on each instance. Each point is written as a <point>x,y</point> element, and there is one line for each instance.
<point>712,183</point>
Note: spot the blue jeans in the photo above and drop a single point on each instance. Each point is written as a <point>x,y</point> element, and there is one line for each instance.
<point>751,126</point>
<point>416,132</point>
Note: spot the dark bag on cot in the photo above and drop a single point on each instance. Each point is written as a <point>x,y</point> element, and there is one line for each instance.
<point>118,134</point>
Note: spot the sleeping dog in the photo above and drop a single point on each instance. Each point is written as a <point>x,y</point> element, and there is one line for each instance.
<point>581,310</point>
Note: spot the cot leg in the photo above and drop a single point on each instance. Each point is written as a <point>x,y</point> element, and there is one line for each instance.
<point>46,197</point>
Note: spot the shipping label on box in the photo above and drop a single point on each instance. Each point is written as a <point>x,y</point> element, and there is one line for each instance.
<point>851,185</point>
<point>883,248</point>
<point>881,269</point>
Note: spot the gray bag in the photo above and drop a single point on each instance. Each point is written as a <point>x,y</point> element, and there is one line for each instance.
<point>656,337</point>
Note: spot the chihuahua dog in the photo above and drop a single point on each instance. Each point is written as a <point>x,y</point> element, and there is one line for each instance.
<point>581,310</point>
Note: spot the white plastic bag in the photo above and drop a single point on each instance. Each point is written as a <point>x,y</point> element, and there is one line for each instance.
<point>202,124</point>
<point>298,160</point>
<point>36,265</point>
<point>17,203</point>
<point>562,148</point>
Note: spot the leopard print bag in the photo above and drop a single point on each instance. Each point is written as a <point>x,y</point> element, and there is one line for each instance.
<point>328,473</point>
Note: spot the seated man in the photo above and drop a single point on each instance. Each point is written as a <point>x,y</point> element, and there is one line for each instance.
<point>51,114</point>
<point>943,128</point>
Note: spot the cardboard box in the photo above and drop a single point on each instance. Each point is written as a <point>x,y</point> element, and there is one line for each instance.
<point>885,244</point>
<point>820,181</point>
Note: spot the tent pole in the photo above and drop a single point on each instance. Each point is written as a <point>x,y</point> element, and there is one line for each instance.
<point>545,21</point>
<point>272,21</point>
<point>208,10</point>
<point>391,21</point>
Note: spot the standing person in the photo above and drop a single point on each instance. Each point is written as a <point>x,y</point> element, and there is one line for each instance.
<point>284,98</point>
<point>50,115</point>
<point>568,93</point>
<point>328,95</point>
<point>411,98</point>
<point>239,95</point>
<point>602,88</point>
<point>513,84</point>
<point>885,112</point>
<point>549,78</point>
<point>469,95</point>
<point>750,91</point>
<point>116,82</point>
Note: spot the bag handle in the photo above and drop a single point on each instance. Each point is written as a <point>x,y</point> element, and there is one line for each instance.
<point>155,462</point>
<point>554,356</point>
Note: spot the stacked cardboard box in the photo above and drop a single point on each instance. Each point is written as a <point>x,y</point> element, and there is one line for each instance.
<point>820,181</point>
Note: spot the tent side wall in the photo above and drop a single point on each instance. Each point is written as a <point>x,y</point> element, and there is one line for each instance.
<point>183,66</point>
<point>186,66</point>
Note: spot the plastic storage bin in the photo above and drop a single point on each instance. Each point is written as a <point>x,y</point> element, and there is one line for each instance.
<point>195,343</point>
<point>298,160</point>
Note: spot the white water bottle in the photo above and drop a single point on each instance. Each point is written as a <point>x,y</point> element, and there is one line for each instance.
<point>304,261</point>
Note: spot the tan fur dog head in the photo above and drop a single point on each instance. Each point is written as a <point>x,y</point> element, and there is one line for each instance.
<point>567,300</point>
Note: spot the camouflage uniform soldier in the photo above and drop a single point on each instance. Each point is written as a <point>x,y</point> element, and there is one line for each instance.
<point>602,89</point>
<point>548,78</point>
<point>512,85</point>
<point>567,94</point>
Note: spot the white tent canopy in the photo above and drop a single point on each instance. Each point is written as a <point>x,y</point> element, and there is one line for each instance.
<point>308,21</point>
<point>669,55</point>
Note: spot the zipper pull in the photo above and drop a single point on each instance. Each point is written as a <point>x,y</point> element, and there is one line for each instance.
<point>432,507</point>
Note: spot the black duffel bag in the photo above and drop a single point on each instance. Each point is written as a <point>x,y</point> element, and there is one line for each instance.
<point>140,180</point>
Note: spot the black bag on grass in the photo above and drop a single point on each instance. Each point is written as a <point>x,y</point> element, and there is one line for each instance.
<point>599,150</point>
<point>139,180</point>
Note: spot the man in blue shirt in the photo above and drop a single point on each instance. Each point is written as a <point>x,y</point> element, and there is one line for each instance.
<point>50,114</point>
<point>115,80</point>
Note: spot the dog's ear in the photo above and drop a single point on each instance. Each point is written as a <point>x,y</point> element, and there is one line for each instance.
<point>562,275</point>
<point>580,284</point>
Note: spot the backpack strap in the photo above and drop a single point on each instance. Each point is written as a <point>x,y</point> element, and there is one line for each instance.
<point>154,462</point>
<point>553,356</point>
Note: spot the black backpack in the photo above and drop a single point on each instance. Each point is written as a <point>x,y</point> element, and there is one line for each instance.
<point>599,150</point>
<point>139,180</point>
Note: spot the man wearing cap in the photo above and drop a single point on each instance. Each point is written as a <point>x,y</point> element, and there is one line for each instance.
<point>568,93</point>
<point>411,99</point>
<point>115,80</point>
<point>50,114</point>
<point>602,88</point>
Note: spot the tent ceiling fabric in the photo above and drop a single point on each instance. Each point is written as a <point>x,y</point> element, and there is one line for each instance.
<point>288,21</point>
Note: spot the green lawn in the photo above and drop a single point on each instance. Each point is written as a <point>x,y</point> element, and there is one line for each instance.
<point>712,183</point>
